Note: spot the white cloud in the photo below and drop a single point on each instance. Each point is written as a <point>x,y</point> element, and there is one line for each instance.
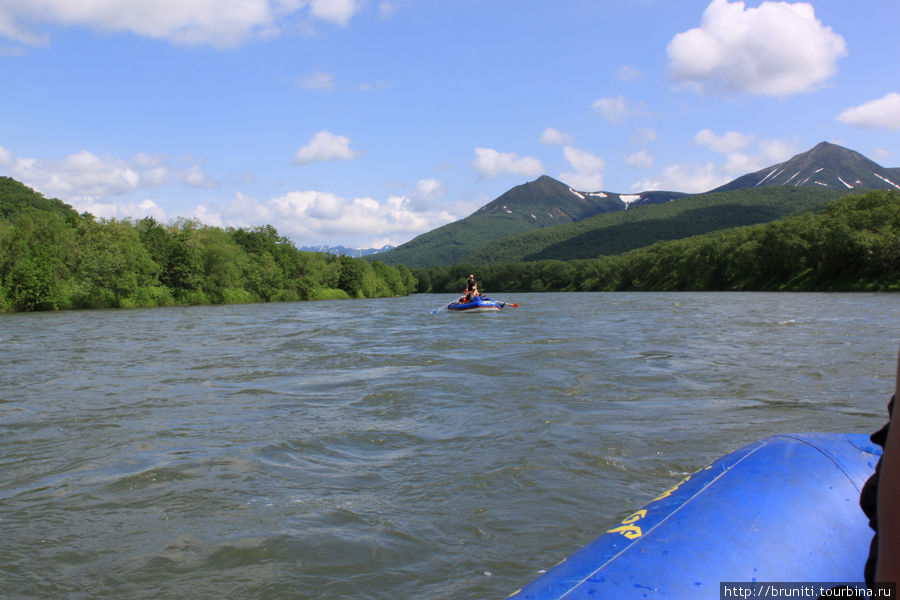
<point>774,151</point>
<point>368,86</point>
<point>155,176</point>
<point>219,23</point>
<point>139,210</point>
<point>196,177</point>
<point>618,110</point>
<point>334,11</point>
<point>324,146</point>
<point>776,49</point>
<point>317,81</point>
<point>554,136</point>
<point>317,216</point>
<point>639,160</point>
<point>588,169</point>
<point>92,183</point>
<point>883,113</point>
<point>615,110</point>
<point>78,175</point>
<point>627,73</point>
<point>386,9</point>
<point>491,163</point>
<point>734,145</point>
<point>644,135</point>
<point>426,193</point>
<point>742,153</point>
<point>731,141</point>
<point>683,178</point>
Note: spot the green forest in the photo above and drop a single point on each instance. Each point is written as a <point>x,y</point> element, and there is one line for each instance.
<point>853,244</point>
<point>53,258</point>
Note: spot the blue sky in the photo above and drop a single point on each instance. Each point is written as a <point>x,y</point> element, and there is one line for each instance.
<point>368,122</point>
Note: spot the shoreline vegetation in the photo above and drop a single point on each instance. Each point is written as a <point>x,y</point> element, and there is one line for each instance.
<point>52,258</point>
<point>850,245</point>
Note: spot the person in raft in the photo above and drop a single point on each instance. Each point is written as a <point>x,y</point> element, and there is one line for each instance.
<point>879,502</point>
<point>471,288</point>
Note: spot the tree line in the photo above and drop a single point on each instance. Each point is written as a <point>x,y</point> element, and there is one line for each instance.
<point>853,244</point>
<point>53,258</point>
<point>56,259</point>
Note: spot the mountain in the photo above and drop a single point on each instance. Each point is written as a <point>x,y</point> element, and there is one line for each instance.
<point>544,202</point>
<point>546,219</point>
<point>827,166</point>
<point>16,197</point>
<point>618,232</point>
<point>345,251</point>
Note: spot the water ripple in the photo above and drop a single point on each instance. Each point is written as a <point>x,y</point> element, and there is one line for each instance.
<point>371,449</point>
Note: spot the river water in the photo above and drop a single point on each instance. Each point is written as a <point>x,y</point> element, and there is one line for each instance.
<point>372,449</point>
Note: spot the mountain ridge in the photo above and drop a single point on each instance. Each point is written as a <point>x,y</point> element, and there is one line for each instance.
<point>826,165</point>
<point>345,251</point>
<point>548,203</point>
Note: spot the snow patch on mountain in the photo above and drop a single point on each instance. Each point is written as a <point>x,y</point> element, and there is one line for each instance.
<point>886,180</point>
<point>629,199</point>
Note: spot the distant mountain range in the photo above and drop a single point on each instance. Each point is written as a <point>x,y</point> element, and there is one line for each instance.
<point>345,251</point>
<point>546,219</point>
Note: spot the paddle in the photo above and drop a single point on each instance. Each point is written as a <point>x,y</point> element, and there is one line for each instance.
<point>505,304</point>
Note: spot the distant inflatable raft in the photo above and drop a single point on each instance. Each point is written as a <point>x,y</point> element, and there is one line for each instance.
<point>782,509</point>
<point>475,305</point>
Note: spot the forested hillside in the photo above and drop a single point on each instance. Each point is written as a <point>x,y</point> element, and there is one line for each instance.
<point>52,258</point>
<point>540,203</point>
<point>851,245</point>
<point>639,226</point>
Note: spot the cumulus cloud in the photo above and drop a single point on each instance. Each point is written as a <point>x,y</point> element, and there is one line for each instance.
<point>426,193</point>
<point>491,163</point>
<point>220,23</point>
<point>79,175</point>
<point>776,49</point>
<point>614,110</point>
<point>644,135</point>
<point>554,136</point>
<point>196,177</point>
<point>325,146</point>
<point>731,141</point>
<point>627,73</point>
<point>692,179</point>
<point>741,154</point>
<point>744,153</point>
<point>883,113</point>
<point>95,183</point>
<point>387,9</point>
<point>639,160</point>
<point>617,110</point>
<point>587,169</point>
<point>334,11</point>
<point>368,86</point>
<point>316,216</point>
<point>317,81</point>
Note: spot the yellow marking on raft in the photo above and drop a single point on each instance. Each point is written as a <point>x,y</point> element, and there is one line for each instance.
<point>628,528</point>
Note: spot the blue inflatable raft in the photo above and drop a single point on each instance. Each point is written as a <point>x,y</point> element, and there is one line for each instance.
<point>782,509</point>
<point>475,305</point>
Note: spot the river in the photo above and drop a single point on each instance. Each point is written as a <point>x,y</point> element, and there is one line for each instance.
<point>370,449</point>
